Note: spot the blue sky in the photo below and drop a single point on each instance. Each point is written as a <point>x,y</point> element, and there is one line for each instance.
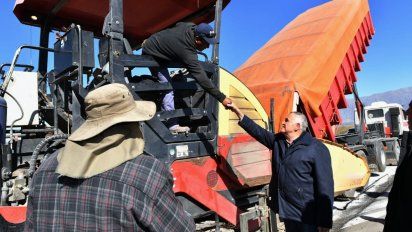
<point>247,25</point>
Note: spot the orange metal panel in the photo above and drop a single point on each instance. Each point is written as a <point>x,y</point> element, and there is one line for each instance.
<point>214,175</point>
<point>316,55</point>
<point>13,214</point>
<point>190,179</point>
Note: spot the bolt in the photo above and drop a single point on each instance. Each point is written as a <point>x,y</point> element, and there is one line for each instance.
<point>116,53</point>
<point>9,183</point>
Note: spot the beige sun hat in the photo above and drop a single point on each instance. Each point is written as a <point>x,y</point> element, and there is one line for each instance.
<point>109,105</point>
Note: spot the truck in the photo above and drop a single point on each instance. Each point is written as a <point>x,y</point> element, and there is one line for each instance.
<point>389,118</point>
<point>313,78</point>
<point>219,171</point>
<point>379,146</point>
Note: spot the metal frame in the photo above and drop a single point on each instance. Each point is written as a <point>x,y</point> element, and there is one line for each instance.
<point>361,114</point>
<point>118,60</point>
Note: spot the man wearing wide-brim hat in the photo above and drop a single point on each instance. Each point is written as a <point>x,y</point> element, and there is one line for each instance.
<point>101,180</point>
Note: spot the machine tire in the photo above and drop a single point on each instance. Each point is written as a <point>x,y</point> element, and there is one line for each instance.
<point>361,153</point>
<point>397,151</point>
<point>380,157</point>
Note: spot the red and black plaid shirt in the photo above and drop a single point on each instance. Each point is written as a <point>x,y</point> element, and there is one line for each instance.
<point>135,196</point>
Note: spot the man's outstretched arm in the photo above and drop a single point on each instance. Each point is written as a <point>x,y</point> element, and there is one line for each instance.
<point>194,68</point>
<point>262,135</point>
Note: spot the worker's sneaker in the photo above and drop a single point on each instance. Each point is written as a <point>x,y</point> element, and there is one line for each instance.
<point>179,129</point>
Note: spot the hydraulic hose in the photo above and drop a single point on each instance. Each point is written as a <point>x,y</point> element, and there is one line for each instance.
<point>39,147</point>
<point>16,120</point>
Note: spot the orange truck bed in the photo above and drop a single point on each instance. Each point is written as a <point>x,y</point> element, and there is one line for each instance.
<point>315,55</point>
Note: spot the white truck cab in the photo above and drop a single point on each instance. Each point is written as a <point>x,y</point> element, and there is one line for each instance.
<point>390,115</point>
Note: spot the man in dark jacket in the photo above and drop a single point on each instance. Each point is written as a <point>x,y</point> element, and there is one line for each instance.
<point>180,44</point>
<point>399,199</point>
<point>302,181</point>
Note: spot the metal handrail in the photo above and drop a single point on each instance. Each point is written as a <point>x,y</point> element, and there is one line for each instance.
<point>14,64</point>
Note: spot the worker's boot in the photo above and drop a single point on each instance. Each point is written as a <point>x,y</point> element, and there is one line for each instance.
<point>179,129</point>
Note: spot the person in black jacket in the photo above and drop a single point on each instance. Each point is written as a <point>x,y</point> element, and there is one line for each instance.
<point>180,44</point>
<point>399,199</point>
<point>301,188</point>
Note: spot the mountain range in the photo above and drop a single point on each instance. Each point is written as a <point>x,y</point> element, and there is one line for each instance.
<point>401,96</point>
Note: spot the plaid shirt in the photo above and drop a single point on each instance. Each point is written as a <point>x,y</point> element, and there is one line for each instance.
<point>135,196</point>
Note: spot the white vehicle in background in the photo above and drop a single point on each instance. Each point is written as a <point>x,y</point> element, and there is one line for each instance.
<point>390,118</point>
<point>390,121</point>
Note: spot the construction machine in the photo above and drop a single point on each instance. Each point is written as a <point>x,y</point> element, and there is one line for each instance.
<point>218,169</point>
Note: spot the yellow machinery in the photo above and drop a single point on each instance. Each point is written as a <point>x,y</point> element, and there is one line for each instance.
<point>350,171</point>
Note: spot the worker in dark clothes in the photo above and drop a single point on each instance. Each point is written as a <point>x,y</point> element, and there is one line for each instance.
<point>301,188</point>
<point>399,206</point>
<point>180,44</point>
<point>101,180</point>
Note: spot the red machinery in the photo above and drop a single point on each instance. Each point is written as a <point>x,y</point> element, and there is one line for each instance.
<point>294,60</point>
<point>141,18</point>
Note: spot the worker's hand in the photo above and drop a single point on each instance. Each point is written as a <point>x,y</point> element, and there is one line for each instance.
<point>323,229</point>
<point>226,101</point>
<point>233,107</point>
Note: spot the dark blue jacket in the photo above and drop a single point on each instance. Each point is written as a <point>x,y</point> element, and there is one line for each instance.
<point>302,181</point>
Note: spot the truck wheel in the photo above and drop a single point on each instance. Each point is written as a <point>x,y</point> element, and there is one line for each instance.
<point>361,153</point>
<point>397,151</point>
<point>380,157</point>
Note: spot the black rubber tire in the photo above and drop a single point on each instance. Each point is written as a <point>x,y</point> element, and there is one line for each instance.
<point>397,151</point>
<point>361,153</point>
<point>380,157</point>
